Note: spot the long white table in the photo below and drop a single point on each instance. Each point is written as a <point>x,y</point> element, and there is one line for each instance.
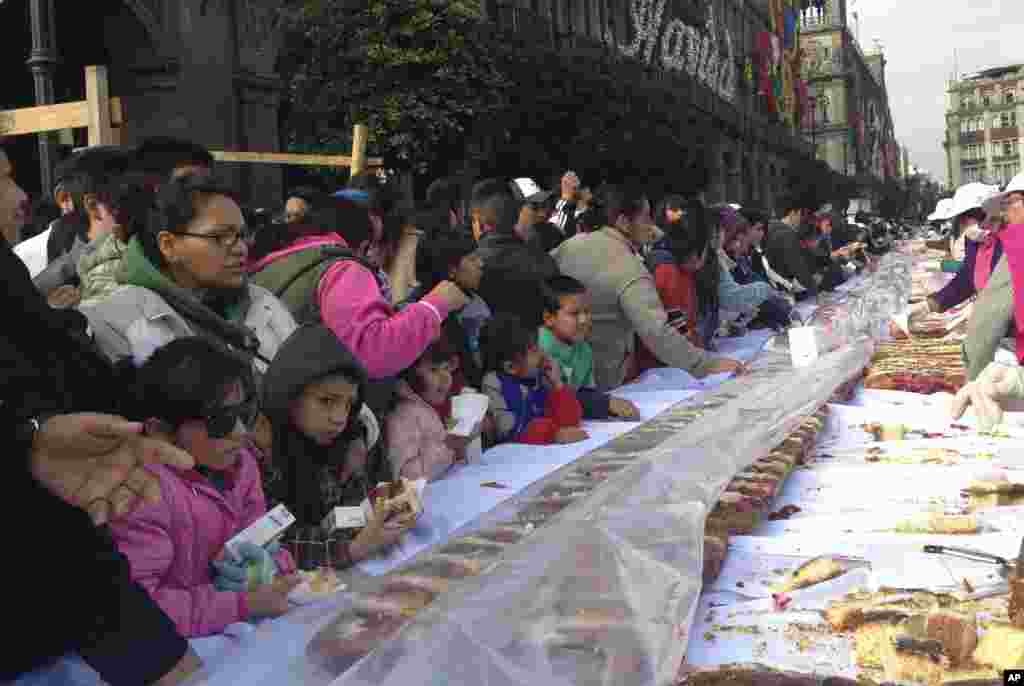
<point>272,652</point>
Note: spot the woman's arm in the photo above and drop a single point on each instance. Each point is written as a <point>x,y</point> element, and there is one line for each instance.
<point>961,287</point>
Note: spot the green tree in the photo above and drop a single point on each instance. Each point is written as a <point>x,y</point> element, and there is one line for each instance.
<point>418,73</point>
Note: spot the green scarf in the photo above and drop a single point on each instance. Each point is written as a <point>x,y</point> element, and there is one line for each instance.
<point>137,270</point>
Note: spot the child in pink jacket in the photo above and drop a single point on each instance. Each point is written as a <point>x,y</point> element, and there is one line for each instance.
<point>418,444</point>
<point>192,394</point>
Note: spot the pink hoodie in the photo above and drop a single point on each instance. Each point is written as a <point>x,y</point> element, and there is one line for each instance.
<point>170,545</point>
<point>353,307</point>
<point>416,436</point>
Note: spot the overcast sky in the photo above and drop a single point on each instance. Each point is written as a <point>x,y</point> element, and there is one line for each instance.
<point>918,37</point>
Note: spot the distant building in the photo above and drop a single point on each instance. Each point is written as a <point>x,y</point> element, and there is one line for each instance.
<point>851,128</point>
<point>983,116</point>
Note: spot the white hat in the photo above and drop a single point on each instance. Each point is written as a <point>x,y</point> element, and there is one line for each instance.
<point>971,196</point>
<point>1016,185</point>
<point>527,190</point>
<point>942,211</point>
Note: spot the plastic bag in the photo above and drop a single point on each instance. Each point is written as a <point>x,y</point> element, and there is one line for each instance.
<point>604,588</point>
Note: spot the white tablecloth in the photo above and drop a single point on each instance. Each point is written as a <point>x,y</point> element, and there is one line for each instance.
<point>272,653</point>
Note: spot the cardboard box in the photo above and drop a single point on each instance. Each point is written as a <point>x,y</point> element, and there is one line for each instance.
<point>263,531</point>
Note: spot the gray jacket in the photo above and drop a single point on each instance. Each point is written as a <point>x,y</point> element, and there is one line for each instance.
<point>990,320</point>
<point>63,271</point>
<point>136,321</point>
<point>625,302</point>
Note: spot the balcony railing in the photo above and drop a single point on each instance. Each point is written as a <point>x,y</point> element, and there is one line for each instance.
<point>812,20</point>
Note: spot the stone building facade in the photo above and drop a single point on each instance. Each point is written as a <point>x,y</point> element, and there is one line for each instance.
<point>984,115</point>
<point>199,69</point>
<point>851,127</point>
<point>692,60</point>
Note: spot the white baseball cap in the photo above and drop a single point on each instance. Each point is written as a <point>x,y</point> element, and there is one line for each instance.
<point>971,196</point>
<point>528,191</point>
<point>1016,185</point>
<point>942,211</point>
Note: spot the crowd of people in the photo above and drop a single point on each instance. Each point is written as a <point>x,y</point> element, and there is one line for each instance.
<point>178,363</point>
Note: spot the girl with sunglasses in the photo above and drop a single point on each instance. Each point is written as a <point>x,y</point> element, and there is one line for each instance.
<point>192,393</point>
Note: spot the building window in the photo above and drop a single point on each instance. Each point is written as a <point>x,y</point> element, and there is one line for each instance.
<point>1008,119</point>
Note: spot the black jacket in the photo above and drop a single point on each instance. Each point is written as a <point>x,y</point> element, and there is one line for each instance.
<point>69,575</point>
<point>514,275</point>
<point>310,354</point>
<point>788,258</point>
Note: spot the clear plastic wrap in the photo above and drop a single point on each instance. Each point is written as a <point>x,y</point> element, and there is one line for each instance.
<point>603,585</point>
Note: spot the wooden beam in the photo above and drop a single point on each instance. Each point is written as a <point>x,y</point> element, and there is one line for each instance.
<point>289,158</point>
<point>68,115</point>
<point>359,137</point>
<point>97,98</point>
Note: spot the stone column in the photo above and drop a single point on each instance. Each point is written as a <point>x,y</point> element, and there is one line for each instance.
<point>43,61</point>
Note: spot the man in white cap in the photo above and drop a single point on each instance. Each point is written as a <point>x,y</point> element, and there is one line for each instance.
<point>515,261</point>
<point>533,225</point>
<point>969,217</point>
<point>995,333</point>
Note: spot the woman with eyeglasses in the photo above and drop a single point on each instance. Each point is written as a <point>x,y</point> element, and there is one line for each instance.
<point>182,274</point>
<point>192,394</point>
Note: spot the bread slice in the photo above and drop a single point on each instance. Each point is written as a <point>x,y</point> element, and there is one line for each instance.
<point>813,572</point>
<point>913,660</point>
<point>852,611</point>
<point>871,638</point>
<point>1016,606</point>
<point>1002,647</point>
<point>734,522</point>
<point>953,524</point>
<point>772,468</point>
<point>758,675</point>
<point>715,549</point>
<point>958,634</point>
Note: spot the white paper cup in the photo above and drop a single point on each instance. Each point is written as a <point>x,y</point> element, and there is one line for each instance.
<point>470,406</point>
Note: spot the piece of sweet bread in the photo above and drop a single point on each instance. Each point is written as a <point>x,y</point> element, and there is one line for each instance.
<point>813,572</point>
<point>715,550</point>
<point>1001,646</point>
<point>914,660</point>
<point>957,632</point>
<point>771,468</point>
<point>873,635</point>
<point>757,675</point>
<point>952,524</point>
<point>1016,606</point>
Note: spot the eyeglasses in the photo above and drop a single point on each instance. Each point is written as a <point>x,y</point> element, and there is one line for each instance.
<point>225,239</point>
<point>221,422</point>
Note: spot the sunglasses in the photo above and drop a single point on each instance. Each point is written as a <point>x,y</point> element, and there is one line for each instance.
<point>221,422</point>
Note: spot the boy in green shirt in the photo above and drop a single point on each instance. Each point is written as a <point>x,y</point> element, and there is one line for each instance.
<point>563,338</point>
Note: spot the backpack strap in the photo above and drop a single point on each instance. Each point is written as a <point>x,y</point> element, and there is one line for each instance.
<point>328,253</point>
